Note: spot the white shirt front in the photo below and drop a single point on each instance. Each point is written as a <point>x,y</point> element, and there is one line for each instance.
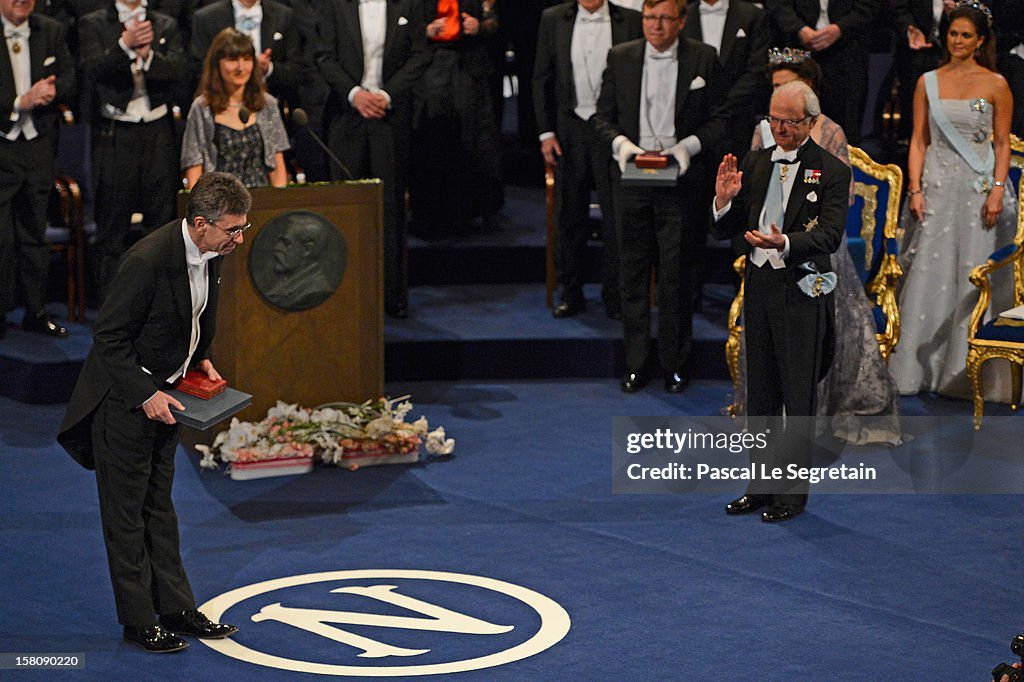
<point>591,40</point>
<point>823,19</point>
<point>658,98</point>
<point>373,22</point>
<point>139,108</point>
<point>712,23</point>
<point>198,284</point>
<point>22,67</point>
<point>248,20</point>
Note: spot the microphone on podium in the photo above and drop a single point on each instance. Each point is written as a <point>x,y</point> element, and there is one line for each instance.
<point>301,119</point>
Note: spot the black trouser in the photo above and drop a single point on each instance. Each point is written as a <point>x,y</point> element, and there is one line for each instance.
<point>136,170</point>
<point>655,231</point>
<point>844,85</point>
<point>911,65</point>
<point>372,148</point>
<point>134,472</point>
<point>26,178</point>
<point>584,164</point>
<point>1012,68</point>
<point>785,333</point>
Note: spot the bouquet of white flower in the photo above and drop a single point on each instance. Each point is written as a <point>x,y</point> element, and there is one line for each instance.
<point>345,434</point>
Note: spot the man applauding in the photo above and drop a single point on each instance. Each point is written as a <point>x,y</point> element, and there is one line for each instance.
<point>786,209</point>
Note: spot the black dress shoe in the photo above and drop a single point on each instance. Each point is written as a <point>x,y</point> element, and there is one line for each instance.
<point>154,639</point>
<point>195,624</point>
<point>675,382</point>
<point>399,311</point>
<point>567,309</point>
<point>633,382</point>
<point>747,504</point>
<point>781,512</point>
<point>40,323</point>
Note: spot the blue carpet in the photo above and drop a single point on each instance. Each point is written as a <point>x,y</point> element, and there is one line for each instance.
<point>861,587</point>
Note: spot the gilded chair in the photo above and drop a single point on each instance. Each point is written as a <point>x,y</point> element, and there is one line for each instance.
<point>999,338</point>
<point>871,224</point>
<point>871,238</point>
<point>66,234</point>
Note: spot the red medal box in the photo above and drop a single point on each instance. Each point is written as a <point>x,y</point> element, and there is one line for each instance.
<point>651,160</point>
<point>198,384</point>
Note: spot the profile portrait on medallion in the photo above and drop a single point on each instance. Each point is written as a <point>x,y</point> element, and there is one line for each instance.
<point>297,260</point>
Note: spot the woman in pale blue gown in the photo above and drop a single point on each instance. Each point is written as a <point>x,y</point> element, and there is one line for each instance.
<point>960,210</point>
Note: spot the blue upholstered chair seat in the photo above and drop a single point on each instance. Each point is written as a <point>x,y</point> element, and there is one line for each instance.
<point>1002,333</point>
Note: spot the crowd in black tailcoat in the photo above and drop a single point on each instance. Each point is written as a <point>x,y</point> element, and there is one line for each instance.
<point>310,54</point>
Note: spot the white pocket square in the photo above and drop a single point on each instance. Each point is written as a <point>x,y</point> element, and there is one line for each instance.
<point>812,197</point>
<point>49,60</point>
<point>741,33</point>
<point>278,36</point>
<point>697,83</point>
<point>402,21</point>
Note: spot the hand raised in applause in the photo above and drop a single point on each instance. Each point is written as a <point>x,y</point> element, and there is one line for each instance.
<point>775,240</point>
<point>264,62</point>
<point>916,39</point>
<point>728,181</point>
<point>470,24</point>
<point>40,94</point>
<point>138,36</point>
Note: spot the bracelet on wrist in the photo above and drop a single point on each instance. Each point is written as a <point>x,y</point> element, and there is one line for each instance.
<point>912,192</point>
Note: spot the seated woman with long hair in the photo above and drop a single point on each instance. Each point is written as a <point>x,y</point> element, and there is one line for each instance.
<point>216,137</point>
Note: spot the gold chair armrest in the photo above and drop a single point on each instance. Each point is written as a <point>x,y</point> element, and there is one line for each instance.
<point>883,288</point>
<point>980,278</point>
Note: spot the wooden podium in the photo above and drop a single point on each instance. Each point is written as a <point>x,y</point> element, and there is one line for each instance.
<point>332,352</point>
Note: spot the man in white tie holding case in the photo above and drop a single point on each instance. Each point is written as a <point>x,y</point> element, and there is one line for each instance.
<point>658,94</point>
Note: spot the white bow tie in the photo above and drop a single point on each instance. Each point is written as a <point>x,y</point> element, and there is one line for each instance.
<point>20,33</point>
<point>659,56</point>
<point>592,20</point>
<point>124,16</point>
<point>711,10</point>
<point>249,20</point>
<point>779,155</point>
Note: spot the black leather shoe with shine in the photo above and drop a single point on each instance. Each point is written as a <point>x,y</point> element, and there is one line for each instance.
<point>781,512</point>
<point>633,382</point>
<point>195,624</point>
<point>567,309</point>
<point>154,639</point>
<point>675,382</point>
<point>41,323</point>
<point>747,504</point>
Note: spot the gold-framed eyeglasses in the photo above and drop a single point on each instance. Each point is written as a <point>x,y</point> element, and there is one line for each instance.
<point>785,122</point>
<point>230,231</point>
<point>660,18</point>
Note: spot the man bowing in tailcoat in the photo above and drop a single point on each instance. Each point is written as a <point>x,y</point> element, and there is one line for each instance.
<point>658,94</point>
<point>786,210</point>
<point>156,323</point>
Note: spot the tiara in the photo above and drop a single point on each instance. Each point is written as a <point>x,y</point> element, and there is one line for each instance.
<point>788,55</point>
<point>974,4</point>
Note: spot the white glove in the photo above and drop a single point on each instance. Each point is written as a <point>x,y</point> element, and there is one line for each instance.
<point>627,150</point>
<point>681,155</point>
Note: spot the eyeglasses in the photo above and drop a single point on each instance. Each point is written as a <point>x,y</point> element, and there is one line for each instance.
<point>231,231</point>
<point>660,18</point>
<point>785,122</point>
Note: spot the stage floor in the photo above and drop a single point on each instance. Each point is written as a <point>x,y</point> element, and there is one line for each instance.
<point>520,529</point>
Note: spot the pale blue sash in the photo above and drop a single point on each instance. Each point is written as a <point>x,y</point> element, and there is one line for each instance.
<point>983,167</point>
